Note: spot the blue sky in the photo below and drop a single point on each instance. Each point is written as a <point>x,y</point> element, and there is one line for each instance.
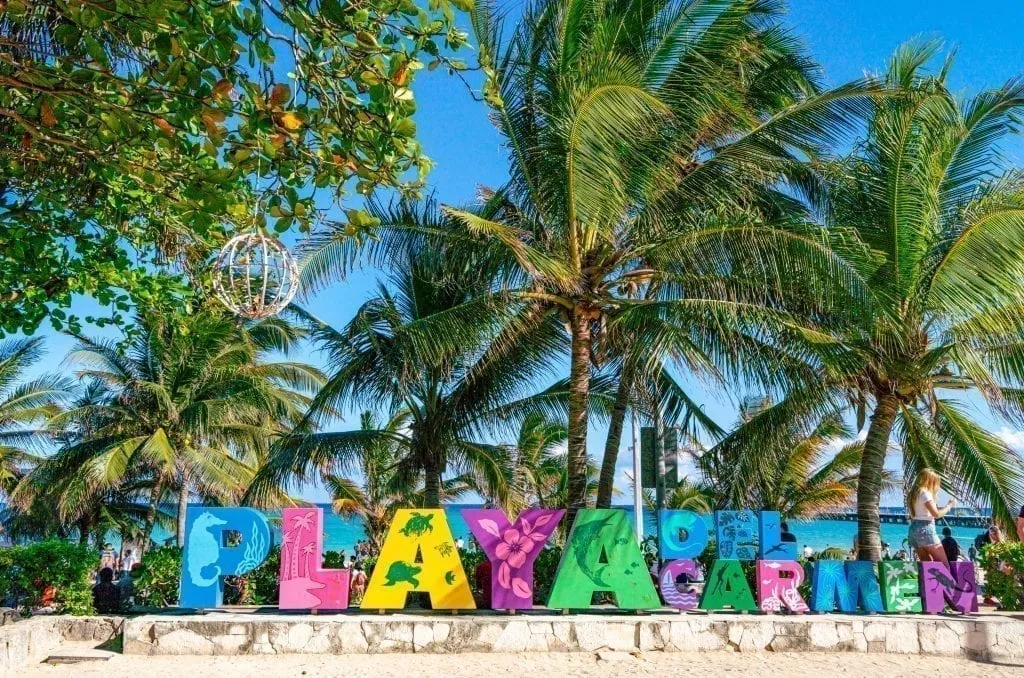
<point>848,37</point>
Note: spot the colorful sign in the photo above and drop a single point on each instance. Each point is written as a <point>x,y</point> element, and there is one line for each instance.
<point>601,555</point>
<point>305,585</point>
<point>418,554</point>
<point>512,549</point>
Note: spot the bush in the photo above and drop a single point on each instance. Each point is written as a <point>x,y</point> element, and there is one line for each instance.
<point>55,572</point>
<point>1004,574</point>
<point>157,584</point>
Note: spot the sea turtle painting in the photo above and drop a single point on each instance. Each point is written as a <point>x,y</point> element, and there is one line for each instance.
<point>417,525</point>
<point>401,571</point>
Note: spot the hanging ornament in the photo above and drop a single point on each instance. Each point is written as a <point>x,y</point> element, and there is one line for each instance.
<point>255,276</point>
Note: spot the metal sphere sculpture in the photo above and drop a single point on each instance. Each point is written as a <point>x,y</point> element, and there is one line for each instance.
<point>255,276</point>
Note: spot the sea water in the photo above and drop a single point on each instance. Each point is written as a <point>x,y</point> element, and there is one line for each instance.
<point>342,532</point>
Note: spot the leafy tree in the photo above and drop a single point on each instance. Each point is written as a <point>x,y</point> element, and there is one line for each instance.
<point>796,471</point>
<point>189,408</point>
<point>132,132</point>
<point>384,488</point>
<point>938,281</point>
<point>643,141</point>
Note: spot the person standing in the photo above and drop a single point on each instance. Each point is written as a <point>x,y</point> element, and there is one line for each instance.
<point>128,561</point>
<point>923,537</point>
<point>950,545</point>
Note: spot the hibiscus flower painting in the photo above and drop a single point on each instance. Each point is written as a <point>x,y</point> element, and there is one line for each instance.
<point>512,548</point>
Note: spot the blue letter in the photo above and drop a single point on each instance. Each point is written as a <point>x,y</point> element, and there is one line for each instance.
<point>681,535</point>
<point>208,558</point>
<point>770,531</point>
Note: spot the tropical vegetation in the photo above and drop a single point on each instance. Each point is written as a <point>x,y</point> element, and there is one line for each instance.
<point>686,204</point>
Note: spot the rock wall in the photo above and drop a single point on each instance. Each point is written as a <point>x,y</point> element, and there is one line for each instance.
<point>992,637</point>
<point>32,639</point>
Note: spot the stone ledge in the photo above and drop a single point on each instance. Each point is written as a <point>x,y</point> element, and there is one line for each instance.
<point>32,639</point>
<point>989,637</point>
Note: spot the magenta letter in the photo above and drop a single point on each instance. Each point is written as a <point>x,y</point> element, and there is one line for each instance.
<point>512,550</point>
<point>304,585</point>
<point>777,583</point>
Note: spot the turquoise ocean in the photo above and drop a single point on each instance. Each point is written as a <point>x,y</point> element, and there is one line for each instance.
<point>341,533</point>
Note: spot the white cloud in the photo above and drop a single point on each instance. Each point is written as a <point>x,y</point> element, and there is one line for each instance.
<point>1013,438</point>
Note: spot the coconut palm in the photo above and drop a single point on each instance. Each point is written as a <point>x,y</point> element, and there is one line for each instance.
<point>617,116</point>
<point>943,223</point>
<point>438,346</point>
<point>538,460</point>
<point>188,407</point>
<point>24,405</point>
<point>382,488</point>
<point>806,468</point>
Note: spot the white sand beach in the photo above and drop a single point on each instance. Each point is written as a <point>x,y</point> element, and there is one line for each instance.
<point>548,665</point>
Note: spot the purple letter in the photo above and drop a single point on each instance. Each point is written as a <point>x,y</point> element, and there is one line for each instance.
<point>955,584</point>
<point>681,600</point>
<point>512,550</point>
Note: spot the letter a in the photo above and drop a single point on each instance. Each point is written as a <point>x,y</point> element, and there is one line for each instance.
<point>419,554</point>
<point>602,555</point>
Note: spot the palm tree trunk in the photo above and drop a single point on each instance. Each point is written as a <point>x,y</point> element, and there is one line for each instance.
<point>869,483</point>
<point>431,486</point>
<point>606,483</point>
<point>182,509</point>
<point>147,532</point>
<point>579,395</point>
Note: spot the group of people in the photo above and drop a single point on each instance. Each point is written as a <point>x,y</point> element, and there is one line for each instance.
<point>110,596</point>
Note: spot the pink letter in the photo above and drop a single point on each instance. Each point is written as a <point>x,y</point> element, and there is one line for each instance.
<point>512,550</point>
<point>304,585</point>
<point>777,582</point>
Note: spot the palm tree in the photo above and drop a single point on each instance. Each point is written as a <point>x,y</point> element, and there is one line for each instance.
<point>23,406</point>
<point>437,346</point>
<point>383,487</point>
<point>626,123</point>
<point>187,407</point>
<point>942,222</point>
<point>538,462</point>
<point>798,471</point>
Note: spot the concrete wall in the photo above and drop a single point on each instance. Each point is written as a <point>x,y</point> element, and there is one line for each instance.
<point>990,637</point>
<point>33,639</point>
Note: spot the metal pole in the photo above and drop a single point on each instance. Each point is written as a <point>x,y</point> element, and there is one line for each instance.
<point>638,497</point>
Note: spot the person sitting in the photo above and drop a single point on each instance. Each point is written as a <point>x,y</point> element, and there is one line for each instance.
<point>105,596</point>
<point>950,545</point>
<point>126,585</point>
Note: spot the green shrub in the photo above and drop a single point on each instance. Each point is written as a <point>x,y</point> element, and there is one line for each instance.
<point>157,585</point>
<point>1004,573</point>
<point>60,570</point>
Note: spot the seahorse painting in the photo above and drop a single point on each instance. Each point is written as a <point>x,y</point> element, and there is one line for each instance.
<point>203,549</point>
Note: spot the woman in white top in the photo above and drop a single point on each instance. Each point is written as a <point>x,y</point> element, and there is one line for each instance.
<point>922,535</point>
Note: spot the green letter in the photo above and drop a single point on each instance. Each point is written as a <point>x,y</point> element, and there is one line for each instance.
<point>727,586</point>
<point>602,555</point>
